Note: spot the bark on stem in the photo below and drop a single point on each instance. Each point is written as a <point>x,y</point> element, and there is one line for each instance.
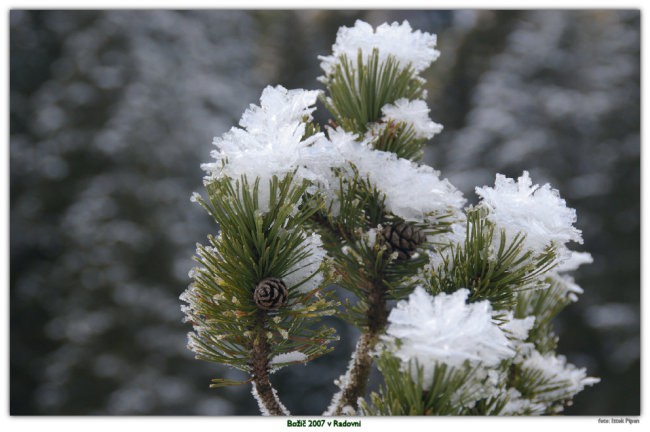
<point>356,377</point>
<point>262,388</point>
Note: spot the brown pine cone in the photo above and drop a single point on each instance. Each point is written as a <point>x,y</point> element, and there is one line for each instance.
<point>402,238</point>
<point>270,293</point>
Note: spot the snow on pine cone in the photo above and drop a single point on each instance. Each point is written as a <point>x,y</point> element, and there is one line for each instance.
<point>402,238</point>
<point>270,293</point>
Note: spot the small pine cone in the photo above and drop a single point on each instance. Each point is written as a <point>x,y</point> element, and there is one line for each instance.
<point>402,238</point>
<point>270,293</point>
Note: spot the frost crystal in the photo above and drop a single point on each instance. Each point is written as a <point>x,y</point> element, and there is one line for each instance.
<point>568,285</point>
<point>290,357</point>
<point>445,329</point>
<point>414,113</point>
<point>517,328</point>
<point>398,40</point>
<point>412,191</point>
<point>342,382</point>
<point>538,212</point>
<point>563,379</point>
<point>517,405</point>
<point>262,406</point>
<point>308,267</point>
<point>573,261</point>
<point>271,141</point>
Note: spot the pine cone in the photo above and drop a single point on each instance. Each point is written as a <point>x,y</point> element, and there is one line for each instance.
<point>270,293</point>
<point>402,238</point>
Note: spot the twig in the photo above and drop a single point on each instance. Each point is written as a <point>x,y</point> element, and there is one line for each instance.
<point>263,391</point>
<point>353,382</point>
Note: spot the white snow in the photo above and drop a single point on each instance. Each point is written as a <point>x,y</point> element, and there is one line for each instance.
<point>308,266</point>
<point>290,357</point>
<point>517,405</point>
<point>412,191</point>
<point>414,113</point>
<point>567,283</point>
<point>270,142</point>
<point>573,261</point>
<point>571,379</point>
<point>536,211</point>
<point>517,328</point>
<point>416,48</point>
<point>445,329</point>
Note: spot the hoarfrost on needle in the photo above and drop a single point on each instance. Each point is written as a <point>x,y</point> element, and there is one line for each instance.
<point>415,114</point>
<point>271,141</point>
<point>445,329</point>
<point>309,267</point>
<point>290,357</point>
<point>416,48</point>
<point>517,405</point>
<point>566,283</point>
<point>564,379</point>
<point>517,328</point>
<point>536,211</point>
<point>573,261</point>
<point>412,191</point>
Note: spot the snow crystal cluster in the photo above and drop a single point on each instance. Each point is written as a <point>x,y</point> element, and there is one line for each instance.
<point>408,47</point>
<point>290,357</point>
<point>271,140</point>
<point>564,379</point>
<point>425,331</point>
<point>306,275</point>
<point>538,212</point>
<point>414,113</point>
<point>445,329</point>
<point>271,143</point>
<point>412,191</point>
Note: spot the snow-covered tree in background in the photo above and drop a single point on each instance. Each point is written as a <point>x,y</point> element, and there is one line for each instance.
<point>99,233</point>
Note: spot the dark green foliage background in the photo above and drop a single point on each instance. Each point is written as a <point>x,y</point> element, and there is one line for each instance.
<point>112,112</point>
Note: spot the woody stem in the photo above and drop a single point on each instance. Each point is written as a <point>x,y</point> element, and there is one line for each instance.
<point>264,391</point>
<point>356,377</point>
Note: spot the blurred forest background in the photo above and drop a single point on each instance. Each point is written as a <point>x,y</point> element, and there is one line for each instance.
<point>112,112</point>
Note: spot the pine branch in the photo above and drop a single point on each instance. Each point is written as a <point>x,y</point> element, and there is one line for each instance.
<point>355,379</point>
<point>259,286</point>
<point>357,92</point>
<point>231,324</point>
<point>494,269</point>
<point>368,270</point>
<point>359,268</point>
<point>260,353</point>
<point>398,138</point>
<point>406,392</point>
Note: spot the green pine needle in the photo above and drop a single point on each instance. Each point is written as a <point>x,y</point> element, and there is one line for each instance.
<point>402,395</point>
<point>494,275</point>
<point>398,138</point>
<point>356,93</point>
<point>251,246</point>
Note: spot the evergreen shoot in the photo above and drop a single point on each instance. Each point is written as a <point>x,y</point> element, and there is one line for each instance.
<point>454,303</point>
